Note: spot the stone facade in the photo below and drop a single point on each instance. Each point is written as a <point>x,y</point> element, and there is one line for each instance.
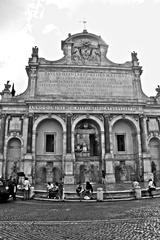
<point>81,118</point>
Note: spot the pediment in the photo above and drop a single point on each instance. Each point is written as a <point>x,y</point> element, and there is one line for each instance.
<point>84,49</point>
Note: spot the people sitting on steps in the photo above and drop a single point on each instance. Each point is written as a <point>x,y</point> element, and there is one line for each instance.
<point>86,193</point>
<point>53,190</point>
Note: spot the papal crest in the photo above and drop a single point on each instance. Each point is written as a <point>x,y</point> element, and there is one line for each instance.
<point>85,54</point>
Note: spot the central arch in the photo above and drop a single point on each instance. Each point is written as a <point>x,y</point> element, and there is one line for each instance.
<point>88,150</point>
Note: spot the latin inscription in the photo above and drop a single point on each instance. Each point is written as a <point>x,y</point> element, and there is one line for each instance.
<point>85,84</point>
<point>61,108</point>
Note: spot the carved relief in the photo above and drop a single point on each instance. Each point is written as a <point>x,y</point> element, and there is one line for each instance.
<point>15,124</point>
<point>153,124</point>
<point>85,53</point>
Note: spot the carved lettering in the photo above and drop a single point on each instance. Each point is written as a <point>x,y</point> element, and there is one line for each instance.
<point>69,108</point>
<point>85,84</point>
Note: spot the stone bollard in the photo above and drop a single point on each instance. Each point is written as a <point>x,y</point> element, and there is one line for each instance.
<point>138,193</point>
<point>99,194</point>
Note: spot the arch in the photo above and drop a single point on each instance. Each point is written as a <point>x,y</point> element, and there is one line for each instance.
<point>154,148</point>
<point>155,137</point>
<point>58,136</point>
<point>88,135</point>
<point>13,156</point>
<point>60,120</point>
<point>52,130</point>
<point>99,122</point>
<point>125,142</point>
<point>130,119</point>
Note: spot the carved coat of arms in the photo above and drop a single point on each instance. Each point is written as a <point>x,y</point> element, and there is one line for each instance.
<point>85,54</point>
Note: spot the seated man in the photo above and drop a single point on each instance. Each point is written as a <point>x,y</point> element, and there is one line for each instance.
<point>79,190</point>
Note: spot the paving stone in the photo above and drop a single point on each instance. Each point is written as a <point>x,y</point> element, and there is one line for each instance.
<point>112,221</point>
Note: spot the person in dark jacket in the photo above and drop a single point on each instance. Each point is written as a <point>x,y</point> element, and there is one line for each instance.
<point>89,189</point>
<point>12,188</point>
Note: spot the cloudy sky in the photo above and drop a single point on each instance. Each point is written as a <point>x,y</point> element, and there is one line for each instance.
<point>125,25</point>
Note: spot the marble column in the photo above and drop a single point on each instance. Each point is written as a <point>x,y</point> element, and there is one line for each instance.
<point>109,161</point>
<point>34,155</point>
<point>69,148</point>
<point>143,133</point>
<point>29,136</point>
<point>146,161</point>
<point>4,171</point>
<point>106,132</point>
<point>69,162</point>
<point>2,135</point>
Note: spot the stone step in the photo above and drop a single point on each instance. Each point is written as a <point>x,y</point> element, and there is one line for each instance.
<point>107,195</point>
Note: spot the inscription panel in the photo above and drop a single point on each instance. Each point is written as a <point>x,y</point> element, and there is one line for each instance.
<point>85,84</point>
<point>81,108</point>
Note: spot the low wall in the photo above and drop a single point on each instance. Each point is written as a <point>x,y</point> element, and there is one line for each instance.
<point>107,195</point>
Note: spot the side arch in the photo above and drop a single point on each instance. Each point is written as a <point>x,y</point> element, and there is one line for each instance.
<point>14,156</point>
<point>58,125</point>
<point>60,120</point>
<point>154,149</point>
<point>126,148</point>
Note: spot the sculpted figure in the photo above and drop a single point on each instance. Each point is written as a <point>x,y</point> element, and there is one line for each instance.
<point>134,56</point>
<point>35,51</point>
<point>76,55</point>
<point>7,86</point>
<point>95,56</point>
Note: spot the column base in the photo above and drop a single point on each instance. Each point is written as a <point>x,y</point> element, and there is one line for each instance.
<point>147,174</point>
<point>110,175</point>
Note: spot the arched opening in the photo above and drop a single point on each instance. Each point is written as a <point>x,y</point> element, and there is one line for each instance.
<point>87,145</point>
<point>125,148</point>
<point>49,150</point>
<point>13,157</point>
<point>154,147</point>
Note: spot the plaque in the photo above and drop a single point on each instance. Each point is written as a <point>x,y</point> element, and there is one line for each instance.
<point>15,124</point>
<point>153,124</point>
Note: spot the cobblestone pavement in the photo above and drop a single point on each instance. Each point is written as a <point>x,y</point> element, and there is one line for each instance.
<point>30,220</point>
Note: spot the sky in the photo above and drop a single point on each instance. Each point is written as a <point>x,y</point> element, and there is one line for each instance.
<point>125,25</point>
